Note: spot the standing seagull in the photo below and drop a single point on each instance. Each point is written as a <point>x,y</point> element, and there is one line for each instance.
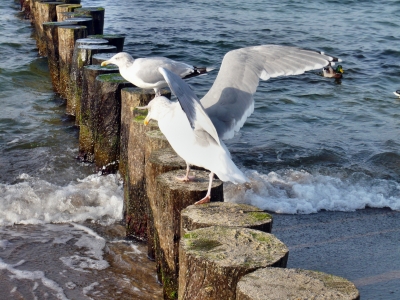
<point>143,72</point>
<point>195,129</point>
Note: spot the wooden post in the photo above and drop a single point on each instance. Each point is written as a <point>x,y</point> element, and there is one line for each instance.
<point>172,196</point>
<point>82,56</point>
<point>87,110</point>
<point>213,259</point>
<point>63,8</point>
<point>225,214</point>
<point>131,98</point>
<point>116,40</point>
<point>107,122</point>
<point>50,33</point>
<point>25,8</point>
<point>158,162</point>
<point>84,21</point>
<point>97,59</point>
<point>291,284</point>
<point>67,35</point>
<point>97,14</point>
<point>154,141</point>
<point>45,12</point>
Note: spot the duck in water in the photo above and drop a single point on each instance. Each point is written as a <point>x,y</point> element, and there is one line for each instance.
<point>328,71</point>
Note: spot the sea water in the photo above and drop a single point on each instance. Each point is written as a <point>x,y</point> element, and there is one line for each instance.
<point>315,149</point>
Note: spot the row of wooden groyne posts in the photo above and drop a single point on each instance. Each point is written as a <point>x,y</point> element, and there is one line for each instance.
<point>218,250</point>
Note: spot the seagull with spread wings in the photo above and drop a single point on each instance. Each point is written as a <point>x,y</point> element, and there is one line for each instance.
<point>195,128</point>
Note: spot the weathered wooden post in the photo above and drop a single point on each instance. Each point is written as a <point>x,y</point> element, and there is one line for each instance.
<point>213,259</point>
<point>50,34</point>
<point>97,14</point>
<point>65,8</point>
<point>82,56</point>
<point>25,8</point>
<point>84,21</point>
<point>116,40</point>
<point>172,196</point>
<point>45,12</point>
<point>225,214</point>
<point>292,284</point>
<point>67,35</point>
<point>107,121</point>
<point>97,59</point>
<point>158,162</point>
<point>87,109</point>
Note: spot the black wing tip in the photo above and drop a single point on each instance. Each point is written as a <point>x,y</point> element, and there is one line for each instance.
<point>197,71</point>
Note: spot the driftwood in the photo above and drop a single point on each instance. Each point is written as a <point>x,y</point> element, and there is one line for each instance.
<point>213,259</point>
<point>293,284</point>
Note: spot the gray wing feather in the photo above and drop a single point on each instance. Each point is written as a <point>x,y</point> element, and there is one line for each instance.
<point>230,100</point>
<point>198,118</point>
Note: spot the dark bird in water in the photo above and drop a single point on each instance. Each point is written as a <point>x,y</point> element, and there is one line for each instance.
<point>328,71</point>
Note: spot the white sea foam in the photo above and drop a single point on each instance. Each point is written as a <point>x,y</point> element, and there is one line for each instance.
<point>35,201</point>
<point>295,192</point>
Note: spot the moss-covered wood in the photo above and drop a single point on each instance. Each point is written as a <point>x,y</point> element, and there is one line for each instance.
<point>97,14</point>
<point>116,40</point>
<point>44,12</point>
<point>172,196</point>
<point>293,284</point>
<point>60,9</point>
<point>213,259</point>
<point>83,52</point>
<point>225,214</point>
<point>87,109</point>
<point>107,121</point>
<point>67,35</point>
<point>132,155</point>
<point>160,158</point>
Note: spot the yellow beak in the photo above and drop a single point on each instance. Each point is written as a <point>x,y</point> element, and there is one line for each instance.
<point>105,63</point>
<point>146,121</point>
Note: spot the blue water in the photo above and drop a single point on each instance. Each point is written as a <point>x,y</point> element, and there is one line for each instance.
<point>312,145</point>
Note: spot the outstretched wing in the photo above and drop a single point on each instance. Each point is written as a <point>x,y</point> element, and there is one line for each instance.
<point>198,118</point>
<point>230,100</point>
